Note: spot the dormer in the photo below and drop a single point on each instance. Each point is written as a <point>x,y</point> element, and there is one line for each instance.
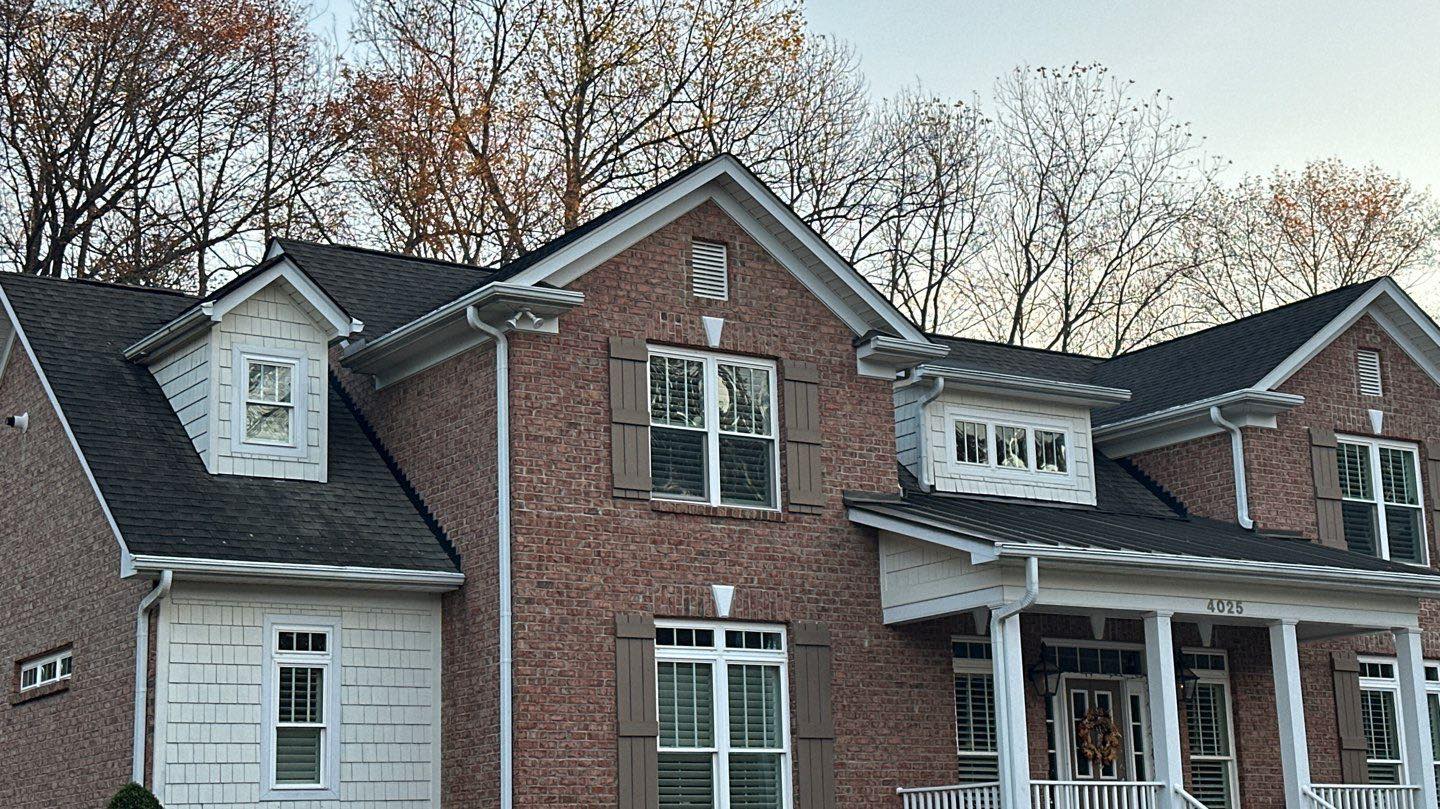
<point>1001,421</point>
<point>246,371</point>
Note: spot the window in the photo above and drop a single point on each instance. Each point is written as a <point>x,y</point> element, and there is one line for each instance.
<point>1379,698</point>
<point>1432,703</point>
<point>51,668</point>
<point>723,709</point>
<point>1382,513</point>
<point>709,270</point>
<point>1209,730</point>
<point>1367,371</point>
<point>1014,448</point>
<point>712,429</point>
<point>975,731</point>
<point>302,697</point>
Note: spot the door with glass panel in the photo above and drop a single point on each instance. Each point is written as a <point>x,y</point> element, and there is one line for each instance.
<point>1098,716</point>
<point>722,708</point>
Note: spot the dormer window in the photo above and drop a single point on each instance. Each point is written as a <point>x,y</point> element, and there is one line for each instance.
<point>269,403</point>
<point>1017,448</point>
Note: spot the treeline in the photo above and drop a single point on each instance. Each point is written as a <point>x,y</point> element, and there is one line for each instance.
<point>164,142</point>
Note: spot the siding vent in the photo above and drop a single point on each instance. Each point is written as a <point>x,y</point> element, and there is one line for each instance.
<point>1368,365</point>
<point>709,270</point>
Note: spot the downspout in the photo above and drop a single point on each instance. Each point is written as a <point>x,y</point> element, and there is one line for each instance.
<point>937,385</point>
<point>142,670</point>
<point>1237,459</point>
<point>502,496</point>
<point>1018,784</point>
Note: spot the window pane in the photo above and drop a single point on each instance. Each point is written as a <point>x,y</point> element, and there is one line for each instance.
<point>755,781</point>
<point>746,471</point>
<point>1360,531</point>
<point>1207,724</point>
<point>743,399</point>
<point>29,677</point>
<point>1050,451</point>
<point>1354,463</point>
<point>297,755</point>
<point>677,462</point>
<point>1377,714</point>
<point>1397,477</point>
<point>677,392</point>
<point>755,706</point>
<point>686,715</point>
<point>1010,447</point>
<point>975,713</point>
<point>752,639</point>
<point>267,422</point>
<point>971,443</point>
<point>1402,529</point>
<point>1384,773</point>
<point>1210,782</point>
<point>302,694</point>
<point>686,781</point>
<point>65,666</point>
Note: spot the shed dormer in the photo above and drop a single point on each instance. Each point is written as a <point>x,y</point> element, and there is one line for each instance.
<point>246,371</point>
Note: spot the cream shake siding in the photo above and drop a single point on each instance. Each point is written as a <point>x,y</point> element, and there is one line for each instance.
<point>275,318</point>
<point>185,378</point>
<point>210,717</point>
<point>907,424</point>
<point>912,571</point>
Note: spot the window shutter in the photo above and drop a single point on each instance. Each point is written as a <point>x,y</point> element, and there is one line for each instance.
<point>1432,474</point>
<point>1329,520</point>
<point>637,718</point>
<point>1367,367</point>
<point>814,721</point>
<point>630,417</point>
<point>1353,766</point>
<point>803,473</point>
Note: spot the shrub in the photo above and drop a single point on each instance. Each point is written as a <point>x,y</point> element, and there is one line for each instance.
<point>134,796</point>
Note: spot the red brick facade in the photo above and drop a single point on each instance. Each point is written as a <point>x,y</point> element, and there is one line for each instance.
<point>70,747</point>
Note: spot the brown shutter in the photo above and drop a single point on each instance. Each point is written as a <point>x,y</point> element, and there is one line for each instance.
<point>630,417</point>
<point>1329,521</point>
<point>637,717</point>
<point>1432,470</point>
<point>805,487</point>
<point>815,723</point>
<point>1346,668</point>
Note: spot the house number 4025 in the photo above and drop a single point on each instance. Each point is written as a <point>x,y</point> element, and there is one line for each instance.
<point>1225,606</point>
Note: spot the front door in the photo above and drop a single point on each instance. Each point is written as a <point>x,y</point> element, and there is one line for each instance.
<point>1099,716</point>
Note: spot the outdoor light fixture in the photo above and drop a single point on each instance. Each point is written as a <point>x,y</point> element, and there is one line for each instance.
<point>1045,675</point>
<point>1185,677</point>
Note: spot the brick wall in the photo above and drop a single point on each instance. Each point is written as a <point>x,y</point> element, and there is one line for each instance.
<point>1199,472</point>
<point>70,748</point>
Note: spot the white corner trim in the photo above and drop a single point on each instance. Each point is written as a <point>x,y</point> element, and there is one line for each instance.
<point>126,562</point>
<point>340,575</point>
<point>6,344</point>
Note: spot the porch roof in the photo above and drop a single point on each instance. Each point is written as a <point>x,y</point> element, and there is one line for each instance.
<point>1127,517</point>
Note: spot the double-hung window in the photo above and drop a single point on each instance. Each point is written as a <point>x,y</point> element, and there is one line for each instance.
<point>724,740</point>
<point>1209,729</point>
<point>1379,702</point>
<point>51,668</point>
<point>712,429</point>
<point>302,694</point>
<point>269,401</point>
<point>975,731</point>
<point>1382,509</point>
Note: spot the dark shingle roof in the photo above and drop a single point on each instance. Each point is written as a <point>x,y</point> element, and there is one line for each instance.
<point>1036,363</point>
<point>1127,517</point>
<point>163,500</point>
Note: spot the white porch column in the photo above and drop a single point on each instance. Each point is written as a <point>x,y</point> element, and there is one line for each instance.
<point>1164,704</point>
<point>1290,709</point>
<point>1012,741</point>
<point>1414,713</point>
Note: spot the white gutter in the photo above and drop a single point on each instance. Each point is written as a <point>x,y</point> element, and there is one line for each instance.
<point>142,671</point>
<point>331,574</point>
<point>1248,396</point>
<point>1010,769</point>
<point>937,386</point>
<point>1237,460</point>
<point>502,486</point>
<point>1049,388</point>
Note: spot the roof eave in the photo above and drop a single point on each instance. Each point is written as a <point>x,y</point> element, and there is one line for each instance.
<point>280,572</point>
<point>1051,389</point>
<point>883,356</point>
<point>1249,407</point>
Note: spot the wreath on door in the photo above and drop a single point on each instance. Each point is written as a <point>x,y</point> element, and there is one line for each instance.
<point>1100,737</point>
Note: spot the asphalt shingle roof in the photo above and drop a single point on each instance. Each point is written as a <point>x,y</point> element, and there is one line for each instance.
<point>1036,363</point>
<point>1127,516</point>
<point>163,500</point>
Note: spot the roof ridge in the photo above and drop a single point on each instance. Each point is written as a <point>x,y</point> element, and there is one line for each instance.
<point>999,344</point>
<point>158,290</point>
<point>388,254</point>
<point>1252,316</point>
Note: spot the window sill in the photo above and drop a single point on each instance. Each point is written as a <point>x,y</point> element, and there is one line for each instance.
<point>40,692</point>
<point>707,510</point>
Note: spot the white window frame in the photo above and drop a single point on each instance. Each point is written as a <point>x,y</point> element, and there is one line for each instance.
<point>1222,678</point>
<point>720,658</point>
<point>329,786</point>
<point>1391,685</point>
<point>712,423</point>
<point>964,665</point>
<point>1377,491</point>
<point>992,457</point>
<point>244,356</point>
<point>38,664</point>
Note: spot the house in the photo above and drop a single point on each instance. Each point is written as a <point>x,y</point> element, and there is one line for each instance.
<point>677,511</point>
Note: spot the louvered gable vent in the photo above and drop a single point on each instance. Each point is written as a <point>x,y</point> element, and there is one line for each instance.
<point>709,270</point>
<point>1368,367</point>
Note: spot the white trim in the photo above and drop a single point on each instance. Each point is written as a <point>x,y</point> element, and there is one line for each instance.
<point>126,562</point>
<point>38,663</point>
<point>331,709</point>
<point>162,702</point>
<point>278,571</point>
<point>240,442</point>
<point>437,713</point>
<point>6,344</point>
<point>980,551</point>
<point>1046,389</point>
<point>1250,407</point>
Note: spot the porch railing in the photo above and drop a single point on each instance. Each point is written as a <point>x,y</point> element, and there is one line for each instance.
<point>959,796</point>
<point>1363,796</point>
<point>1096,794</point>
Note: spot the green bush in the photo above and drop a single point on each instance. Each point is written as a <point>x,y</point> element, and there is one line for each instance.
<point>134,796</point>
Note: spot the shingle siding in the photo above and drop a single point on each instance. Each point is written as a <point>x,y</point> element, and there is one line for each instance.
<point>185,378</point>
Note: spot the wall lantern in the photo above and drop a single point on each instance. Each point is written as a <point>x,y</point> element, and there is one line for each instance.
<point>1045,675</point>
